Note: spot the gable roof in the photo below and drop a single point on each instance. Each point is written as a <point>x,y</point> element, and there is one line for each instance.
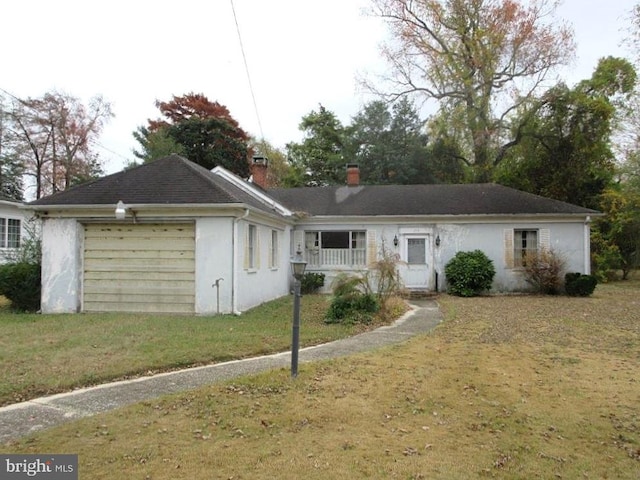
<point>172,180</point>
<point>403,200</point>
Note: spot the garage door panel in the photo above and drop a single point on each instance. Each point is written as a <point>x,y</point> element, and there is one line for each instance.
<point>137,265</point>
<point>135,254</point>
<point>141,307</point>
<point>117,244</point>
<point>139,286</point>
<point>139,268</point>
<point>128,299</point>
<point>136,275</point>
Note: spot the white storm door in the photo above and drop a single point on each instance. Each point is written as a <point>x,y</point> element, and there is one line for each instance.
<point>417,257</point>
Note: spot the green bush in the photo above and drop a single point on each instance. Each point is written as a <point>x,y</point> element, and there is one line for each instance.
<point>20,283</point>
<point>578,285</point>
<point>311,282</point>
<point>352,308</point>
<point>469,273</point>
<point>350,304</point>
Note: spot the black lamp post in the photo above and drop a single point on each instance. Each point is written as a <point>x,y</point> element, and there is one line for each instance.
<point>298,266</point>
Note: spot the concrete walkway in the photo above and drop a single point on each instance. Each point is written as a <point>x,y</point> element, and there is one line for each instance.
<point>31,416</point>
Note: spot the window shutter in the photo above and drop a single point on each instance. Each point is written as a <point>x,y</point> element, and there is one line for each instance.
<point>246,246</point>
<point>545,239</point>
<point>256,249</point>
<point>372,248</point>
<point>508,248</point>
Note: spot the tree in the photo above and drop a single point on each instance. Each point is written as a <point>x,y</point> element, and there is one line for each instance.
<point>565,149</point>
<point>620,228</point>
<point>483,58</point>
<point>156,144</point>
<point>201,130</point>
<point>54,136</point>
<point>10,167</point>
<point>389,144</point>
<point>320,157</point>
<point>279,172</point>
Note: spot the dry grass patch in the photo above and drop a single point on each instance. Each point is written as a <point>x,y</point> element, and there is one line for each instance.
<point>507,387</point>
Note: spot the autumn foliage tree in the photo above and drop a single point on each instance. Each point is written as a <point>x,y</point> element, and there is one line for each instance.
<point>201,130</point>
<point>53,138</point>
<point>480,59</point>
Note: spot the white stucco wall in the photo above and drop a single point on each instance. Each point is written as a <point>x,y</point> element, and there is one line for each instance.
<point>214,261</point>
<point>61,265</point>
<point>264,283</point>
<point>569,239</point>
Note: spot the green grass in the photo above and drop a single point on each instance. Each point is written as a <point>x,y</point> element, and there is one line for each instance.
<point>43,354</point>
<point>507,387</point>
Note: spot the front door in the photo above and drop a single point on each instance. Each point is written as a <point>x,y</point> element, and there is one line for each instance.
<point>417,271</point>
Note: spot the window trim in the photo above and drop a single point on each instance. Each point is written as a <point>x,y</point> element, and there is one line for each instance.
<point>10,233</point>
<point>519,251</point>
<point>313,247</point>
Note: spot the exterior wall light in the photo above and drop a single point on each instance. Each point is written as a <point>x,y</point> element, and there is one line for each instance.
<point>437,240</point>
<point>121,210</point>
<point>395,240</point>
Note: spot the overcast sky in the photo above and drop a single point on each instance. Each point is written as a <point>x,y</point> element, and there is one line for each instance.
<point>300,53</point>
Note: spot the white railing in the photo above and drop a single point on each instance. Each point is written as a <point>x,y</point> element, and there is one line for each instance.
<point>336,257</point>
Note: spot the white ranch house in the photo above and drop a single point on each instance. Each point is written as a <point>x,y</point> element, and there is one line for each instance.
<point>189,240</point>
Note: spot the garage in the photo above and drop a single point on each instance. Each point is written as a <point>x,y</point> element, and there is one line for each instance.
<point>146,268</point>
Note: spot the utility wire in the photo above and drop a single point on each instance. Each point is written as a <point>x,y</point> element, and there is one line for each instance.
<point>246,67</point>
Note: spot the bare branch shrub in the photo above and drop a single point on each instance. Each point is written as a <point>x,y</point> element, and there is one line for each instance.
<point>544,270</point>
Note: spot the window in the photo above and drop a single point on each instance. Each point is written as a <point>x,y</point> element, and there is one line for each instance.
<point>10,233</point>
<point>416,251</point>
<point>525,242</point>
<point>252,243</point>
<point>344,248</point>
<point>274,256</point>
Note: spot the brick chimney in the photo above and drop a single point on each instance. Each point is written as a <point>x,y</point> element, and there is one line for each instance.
<point>353,174</point>
<point>259,170</point>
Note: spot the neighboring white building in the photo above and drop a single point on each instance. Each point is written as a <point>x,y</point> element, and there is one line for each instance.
<point>12,228</point>
<point>184,239</point>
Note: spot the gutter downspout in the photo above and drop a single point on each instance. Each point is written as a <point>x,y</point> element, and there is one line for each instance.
<point>234,276</point>
<point>587,245</point>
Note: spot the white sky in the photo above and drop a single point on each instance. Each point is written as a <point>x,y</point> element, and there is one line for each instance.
<point>300,53</point>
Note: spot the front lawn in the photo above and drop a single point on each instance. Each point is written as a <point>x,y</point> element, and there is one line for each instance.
<point>507,387</point>
<point>44,354</point>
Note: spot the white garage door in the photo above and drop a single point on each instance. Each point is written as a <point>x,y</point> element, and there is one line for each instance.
<point>139,268</point>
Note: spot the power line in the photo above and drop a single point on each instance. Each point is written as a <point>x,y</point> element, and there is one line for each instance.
<point>246,67</point>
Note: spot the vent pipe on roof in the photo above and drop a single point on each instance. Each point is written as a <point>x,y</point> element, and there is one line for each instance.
<point>353,174</point>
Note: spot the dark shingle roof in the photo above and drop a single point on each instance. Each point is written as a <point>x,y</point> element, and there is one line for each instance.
<point>174,180</point>
<point>169,180</point>
<point>398,200</point>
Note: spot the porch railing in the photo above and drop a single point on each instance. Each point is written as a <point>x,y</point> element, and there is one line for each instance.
<point>336,257</point>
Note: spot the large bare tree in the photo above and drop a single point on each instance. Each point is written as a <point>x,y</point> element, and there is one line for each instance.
<point>480,59</point>
<point>55,134</point>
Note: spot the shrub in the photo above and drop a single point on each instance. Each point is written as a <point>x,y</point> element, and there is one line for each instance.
<point>311,282</point>
<point>353,308</point>
<point>20,283</point>
<point>543,270</point>
<point>350,303</point>
<point>469,273</point>
<point>578,285</point>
